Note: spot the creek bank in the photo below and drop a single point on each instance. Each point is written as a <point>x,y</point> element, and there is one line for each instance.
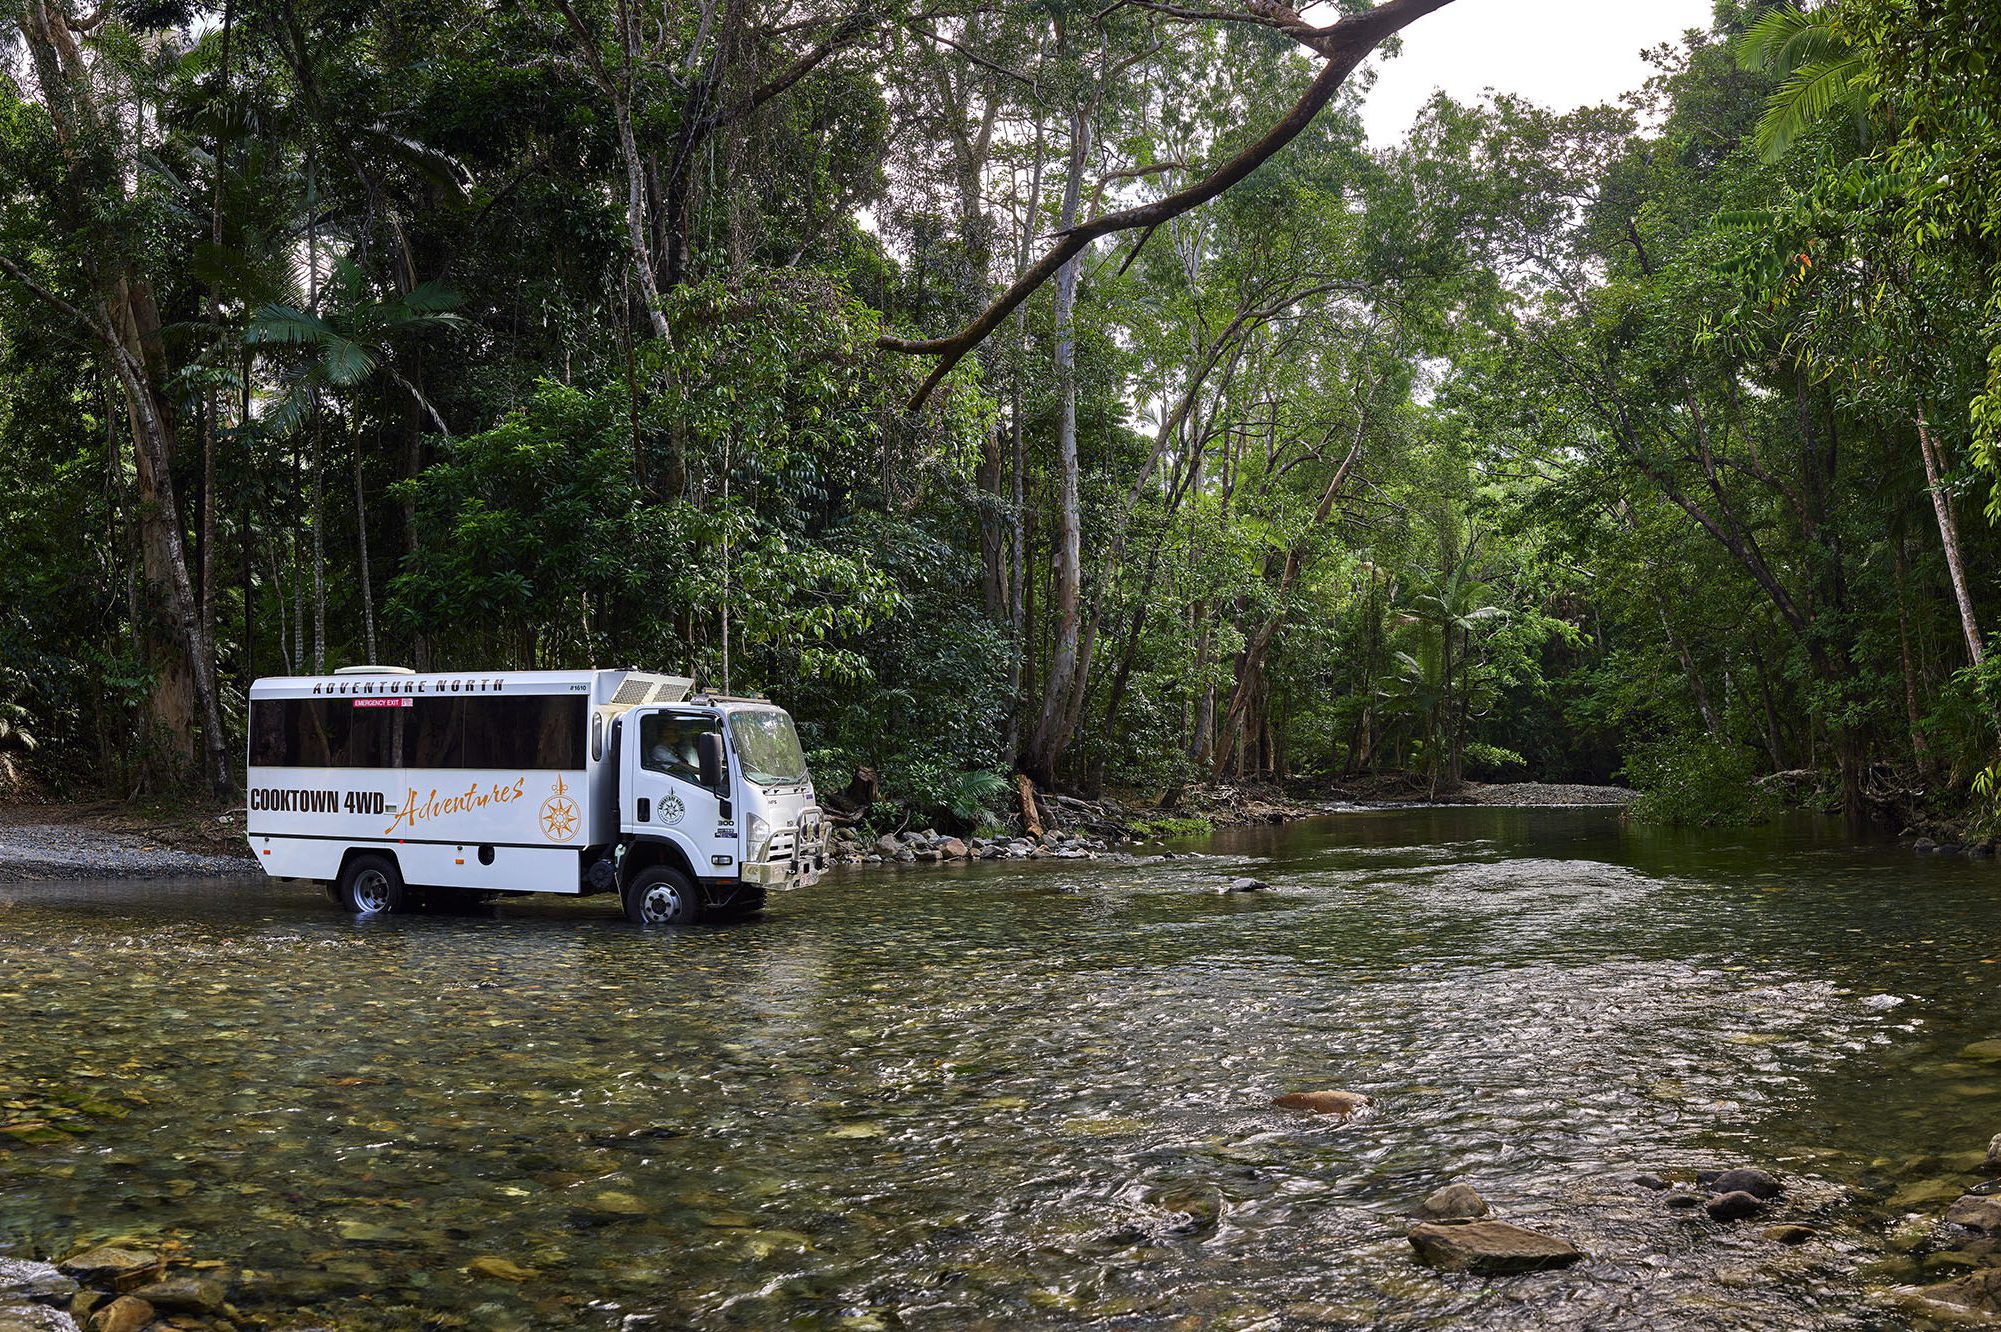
<point>1049,824</point>
<point>55,842</point>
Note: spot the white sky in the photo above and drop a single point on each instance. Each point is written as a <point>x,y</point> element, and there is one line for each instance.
<point>1559,53</point>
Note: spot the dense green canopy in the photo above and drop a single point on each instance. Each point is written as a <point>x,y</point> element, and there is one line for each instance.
<point>1648,441</point>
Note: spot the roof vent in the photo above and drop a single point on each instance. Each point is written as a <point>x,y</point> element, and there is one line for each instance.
<point>374,670</point>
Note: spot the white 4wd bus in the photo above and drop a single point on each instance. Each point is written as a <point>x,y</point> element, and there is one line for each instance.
<point>387,786</point>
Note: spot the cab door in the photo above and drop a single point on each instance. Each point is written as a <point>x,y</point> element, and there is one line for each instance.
<point>666,796</point>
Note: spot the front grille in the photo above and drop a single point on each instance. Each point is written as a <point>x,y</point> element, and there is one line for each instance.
<point>805,839</point>
<point>783,843</point>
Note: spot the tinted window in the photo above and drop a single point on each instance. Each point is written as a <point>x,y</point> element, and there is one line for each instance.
<point>524,731</point>
<point>670,744</point>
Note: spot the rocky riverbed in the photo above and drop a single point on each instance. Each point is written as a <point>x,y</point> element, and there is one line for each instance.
<point>1039,1091</point>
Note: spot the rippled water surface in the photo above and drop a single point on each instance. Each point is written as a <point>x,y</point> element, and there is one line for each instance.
<point>1023,1096</point>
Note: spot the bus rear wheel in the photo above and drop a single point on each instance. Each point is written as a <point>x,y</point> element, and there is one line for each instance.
<point>662,896</point>
<point>371,886</point>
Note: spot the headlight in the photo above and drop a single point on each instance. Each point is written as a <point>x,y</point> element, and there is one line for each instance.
<point>757,834</point>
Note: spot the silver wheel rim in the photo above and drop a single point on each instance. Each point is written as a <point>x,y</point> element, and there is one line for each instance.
<point>661,905</point>
<point>371,892</point>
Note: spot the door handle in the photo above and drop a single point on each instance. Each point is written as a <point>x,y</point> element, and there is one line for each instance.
<point>645,809</point>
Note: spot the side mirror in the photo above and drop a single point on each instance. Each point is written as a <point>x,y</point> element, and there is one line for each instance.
<point>709,756</point>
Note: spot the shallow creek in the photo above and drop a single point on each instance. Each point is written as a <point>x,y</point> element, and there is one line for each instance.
<point>1025,1095</point>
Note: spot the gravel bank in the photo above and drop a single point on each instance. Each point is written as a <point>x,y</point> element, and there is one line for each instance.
<point>37,851</point>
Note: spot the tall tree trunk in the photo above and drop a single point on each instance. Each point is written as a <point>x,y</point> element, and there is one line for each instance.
<point>319,554</point>
<point>1948,534</point>
<point>125,323</point>
<point>1018,581</point>
<point>1046,746</point>
<point>367,577</point>
<point>617,89</point>
<point>993,522</point>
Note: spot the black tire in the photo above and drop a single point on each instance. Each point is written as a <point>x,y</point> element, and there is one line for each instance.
<point>662,896</point>
<point>372,886</point>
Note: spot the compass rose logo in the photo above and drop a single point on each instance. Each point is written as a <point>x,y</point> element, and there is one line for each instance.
<point>560,816</point>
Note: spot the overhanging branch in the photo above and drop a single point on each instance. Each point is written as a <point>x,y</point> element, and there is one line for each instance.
<point>1343,46</point>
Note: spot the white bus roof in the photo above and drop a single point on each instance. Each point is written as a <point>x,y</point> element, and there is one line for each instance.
<point>618,687</point>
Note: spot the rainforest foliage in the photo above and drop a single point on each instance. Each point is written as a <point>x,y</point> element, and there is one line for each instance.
<point>1008,385</point>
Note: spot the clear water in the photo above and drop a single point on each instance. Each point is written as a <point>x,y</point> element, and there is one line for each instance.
<point>1024,1096</point>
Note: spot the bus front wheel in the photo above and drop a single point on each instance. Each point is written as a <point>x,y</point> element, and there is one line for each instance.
<point>371,886</point>
<point>662,896</point>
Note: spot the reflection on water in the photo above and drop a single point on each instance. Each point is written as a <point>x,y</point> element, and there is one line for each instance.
<point>1020,1095</point>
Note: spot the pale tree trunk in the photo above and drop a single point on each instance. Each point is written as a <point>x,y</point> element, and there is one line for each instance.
<point>617,89</point>
<point>1948,534</point>
<point>1046,746</point>
<point>367,578</point>
<point>319,557</point>
<point>1018,586</point>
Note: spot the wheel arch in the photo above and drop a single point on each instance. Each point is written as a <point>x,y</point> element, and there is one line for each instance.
<point>354,853</point>
<point>645,853</point>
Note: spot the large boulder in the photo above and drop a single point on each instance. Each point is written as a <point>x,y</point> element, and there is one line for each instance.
<point>1976,1212</point>
<point>1454,1202</point>
<point>1746,1180</point>
<point>194,1295</point>
<point>1342,1103</point>
<point>127,1313</point>
<point>1489,1248</point>
<point>1736,1205</point>
<point>1245,886</point>
<point>112,1267</point>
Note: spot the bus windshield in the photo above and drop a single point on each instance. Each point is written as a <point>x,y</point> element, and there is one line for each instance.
<point>768,747</point>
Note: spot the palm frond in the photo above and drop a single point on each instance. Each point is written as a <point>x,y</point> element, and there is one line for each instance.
<point>1785,38</point>
<point>1809,93</point>
<point>434,164</point>
<point>346,362</point>
<point>286,324</point>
